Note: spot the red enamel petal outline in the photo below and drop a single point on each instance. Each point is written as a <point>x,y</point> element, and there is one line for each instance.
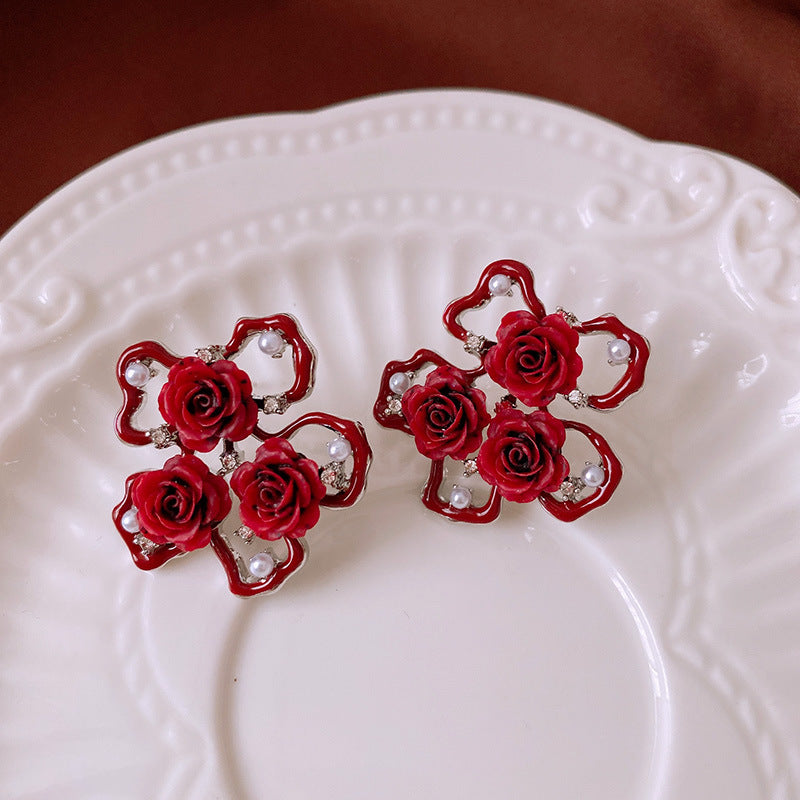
<point>297,554</point>
<point>633,377</point>
<point>481,295</point>
<point>354,433</point>
<point>160,554</point>
<point>568,510</point>
<point>430,499</point>
<point>630,382</point>
<point>303,362</point>
<point>421,359</point>
<point>303,356</point>
<point>132,396</point>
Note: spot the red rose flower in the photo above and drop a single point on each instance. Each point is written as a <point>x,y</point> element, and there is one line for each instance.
<point>280,491</point>
<point>446,415</point>
<point>181,503</point>
<point>522,454</point>
<point>535,359</point>
<point>208,402</point>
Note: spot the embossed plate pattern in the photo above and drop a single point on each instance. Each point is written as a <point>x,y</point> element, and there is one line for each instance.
<point>650,650</point>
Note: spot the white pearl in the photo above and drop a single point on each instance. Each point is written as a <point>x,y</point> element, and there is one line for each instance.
<point>399,383</point>
<point>460,497</point>
<point>619,351</point>
<point>499,285</point>
<point>137,373</point>
<point>261,565</point>
<point>271,343</point>
<point>339,449</point>
<point>130,521</point>
<point>593,475</point>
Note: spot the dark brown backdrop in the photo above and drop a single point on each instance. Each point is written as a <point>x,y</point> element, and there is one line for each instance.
<point>83,80</point>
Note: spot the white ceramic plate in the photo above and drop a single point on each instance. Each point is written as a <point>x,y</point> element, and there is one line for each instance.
<point>650,650</point>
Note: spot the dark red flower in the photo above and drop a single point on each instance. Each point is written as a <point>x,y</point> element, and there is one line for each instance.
<point>535,359</point>
<point>208,402</point>
<point>522,454</point>
<point>280,491</point>
<point>446,415</point>
<point>181,503</point>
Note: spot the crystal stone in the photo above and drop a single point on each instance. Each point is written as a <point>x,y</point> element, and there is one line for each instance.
<point>275,404</point>
<point>475,343</point>
<point>394,405</point>
<point>162,436</point>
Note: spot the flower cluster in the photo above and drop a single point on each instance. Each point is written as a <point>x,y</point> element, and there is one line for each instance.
<point>207,402</point>
<point>518,452</point>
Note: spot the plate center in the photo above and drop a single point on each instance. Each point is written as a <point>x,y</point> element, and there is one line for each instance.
<point>508,668</point>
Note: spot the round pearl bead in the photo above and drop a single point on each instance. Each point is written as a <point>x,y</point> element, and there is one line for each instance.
<point>399,383</point>
<point>619,351</point>
<point>137,373</point>
<point>499,285</point>
<point>261,565</point>
<point>130,521</point>
<point>271,343</point>
<point>460,497</point>
<point>339,449</point>
<point>593,475</point>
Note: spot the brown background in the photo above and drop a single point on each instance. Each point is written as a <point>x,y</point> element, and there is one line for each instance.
<point>81,81</point>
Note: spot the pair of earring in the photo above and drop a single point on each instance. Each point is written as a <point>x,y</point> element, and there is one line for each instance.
<point>208,404</point>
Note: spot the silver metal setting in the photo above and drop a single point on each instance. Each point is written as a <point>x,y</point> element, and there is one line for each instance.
<point>577,398</point>
<point>146,545</point>
<point>244,533</point>
<point>214,352</point>
<point>230,459</point>
<point>334,475</point>
<point>569,317</point>
<point>394,405</point>
<point>162,436</point>
<point>475,344</point>
<point>571,488</point>
<point>275,403</point>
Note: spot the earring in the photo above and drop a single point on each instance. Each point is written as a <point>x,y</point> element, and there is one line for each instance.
<point>207,404</point>
<point>518,450</point>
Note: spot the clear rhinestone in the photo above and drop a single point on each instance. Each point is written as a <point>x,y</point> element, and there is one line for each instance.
<point>245,534</point>
<point>475,344</point>
<point>578,398</point>
<point>230,460</point>
<point>162,436</point>
<point>571,488</point>
<point>470,467</point>
<point>147,546</point>
<point>394,405</point>
<point>569,317</point>
<point>333,475</point>
<point>275,404</point>
<point>213,352</point>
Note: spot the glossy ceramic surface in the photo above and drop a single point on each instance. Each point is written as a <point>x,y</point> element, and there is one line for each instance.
<point>649,650</point>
